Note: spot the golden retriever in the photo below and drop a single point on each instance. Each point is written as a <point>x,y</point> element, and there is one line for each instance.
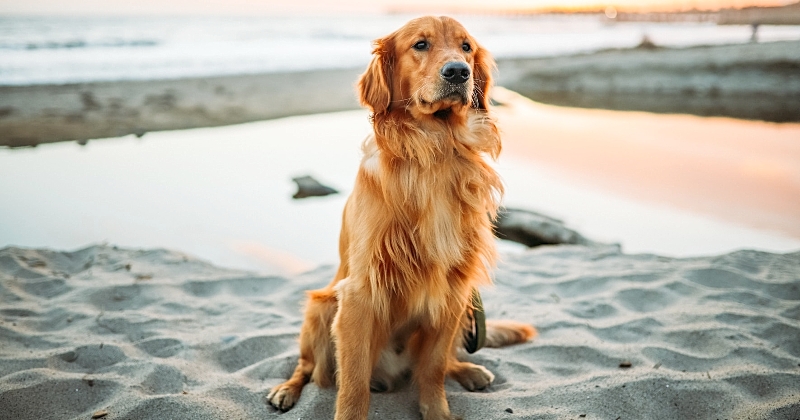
<point>416,234</point>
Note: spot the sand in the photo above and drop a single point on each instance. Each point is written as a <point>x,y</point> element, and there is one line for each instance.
<point>145,334</point>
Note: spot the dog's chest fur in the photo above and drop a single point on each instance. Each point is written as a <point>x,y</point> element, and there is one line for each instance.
<point>434,219</point>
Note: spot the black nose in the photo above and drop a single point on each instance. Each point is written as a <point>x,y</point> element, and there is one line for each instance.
<point>456,72</point>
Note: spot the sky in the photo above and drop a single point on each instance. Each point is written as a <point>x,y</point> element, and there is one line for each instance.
<point>265,7</point>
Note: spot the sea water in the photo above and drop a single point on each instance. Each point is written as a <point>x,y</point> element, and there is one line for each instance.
<point>45,50</point>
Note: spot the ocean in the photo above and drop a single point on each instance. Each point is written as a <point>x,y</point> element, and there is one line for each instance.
<point>57,50</point>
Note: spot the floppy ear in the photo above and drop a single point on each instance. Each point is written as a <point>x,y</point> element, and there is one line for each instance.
<point>484,65</point>
<point>374,86</point>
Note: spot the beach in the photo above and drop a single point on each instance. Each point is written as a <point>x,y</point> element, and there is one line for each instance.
<point>140,334</point>
<point>156,268</point>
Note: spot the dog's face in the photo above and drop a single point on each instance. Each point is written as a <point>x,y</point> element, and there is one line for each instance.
<point>430,66</point>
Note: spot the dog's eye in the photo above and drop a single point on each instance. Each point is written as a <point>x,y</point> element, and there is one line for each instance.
<point>421,46</point>
<point>466,47</point>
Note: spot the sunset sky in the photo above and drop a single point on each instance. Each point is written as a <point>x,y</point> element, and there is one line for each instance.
<point>260,7</point>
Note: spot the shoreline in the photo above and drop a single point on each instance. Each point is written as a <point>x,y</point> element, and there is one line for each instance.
<point>748,81</point>
<point>36,114</point>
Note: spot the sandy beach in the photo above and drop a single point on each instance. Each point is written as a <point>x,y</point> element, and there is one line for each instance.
<point>161,275</point>
<point>142,334</point>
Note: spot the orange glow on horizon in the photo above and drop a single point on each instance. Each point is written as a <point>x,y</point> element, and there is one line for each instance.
<point>576,6</point>
<point>271,7</point>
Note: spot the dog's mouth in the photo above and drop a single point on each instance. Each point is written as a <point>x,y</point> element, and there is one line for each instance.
<point>449,92</point>
<point>445,98</point>
<point>443,114</point>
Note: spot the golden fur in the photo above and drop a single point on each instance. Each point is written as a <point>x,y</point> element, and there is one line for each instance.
<point>416,231</point>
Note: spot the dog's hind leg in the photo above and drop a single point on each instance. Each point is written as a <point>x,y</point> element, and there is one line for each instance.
<point>316,351</point>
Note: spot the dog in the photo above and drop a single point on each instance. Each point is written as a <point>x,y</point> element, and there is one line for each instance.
<point>416,237</point>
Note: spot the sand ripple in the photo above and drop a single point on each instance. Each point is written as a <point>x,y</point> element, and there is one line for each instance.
<point>158,334</point>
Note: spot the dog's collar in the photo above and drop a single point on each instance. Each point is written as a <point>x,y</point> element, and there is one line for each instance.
<point>475,335</point>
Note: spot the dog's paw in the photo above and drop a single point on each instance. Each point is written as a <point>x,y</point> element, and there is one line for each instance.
<point>283,397</point>
<point>441,417</point>
<point>452,417</point>
<point>472,377</point>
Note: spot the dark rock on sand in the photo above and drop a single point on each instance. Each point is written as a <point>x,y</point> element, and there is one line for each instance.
<point>534,229</point>
<point>309,187</point>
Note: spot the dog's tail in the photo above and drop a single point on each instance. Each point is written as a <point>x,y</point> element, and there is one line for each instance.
<point>506,333</point>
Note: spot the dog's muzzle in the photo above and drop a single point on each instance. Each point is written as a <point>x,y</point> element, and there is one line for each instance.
<point>453,85</point>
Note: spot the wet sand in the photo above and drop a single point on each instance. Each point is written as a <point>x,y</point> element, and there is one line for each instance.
<point>31,115</point>
<point>749,81</point>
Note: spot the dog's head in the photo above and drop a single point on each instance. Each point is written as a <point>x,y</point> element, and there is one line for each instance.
<point>430,66</point>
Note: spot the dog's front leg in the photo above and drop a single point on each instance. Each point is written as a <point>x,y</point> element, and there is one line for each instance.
<point>432,350</point>
<point>358,344</point>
